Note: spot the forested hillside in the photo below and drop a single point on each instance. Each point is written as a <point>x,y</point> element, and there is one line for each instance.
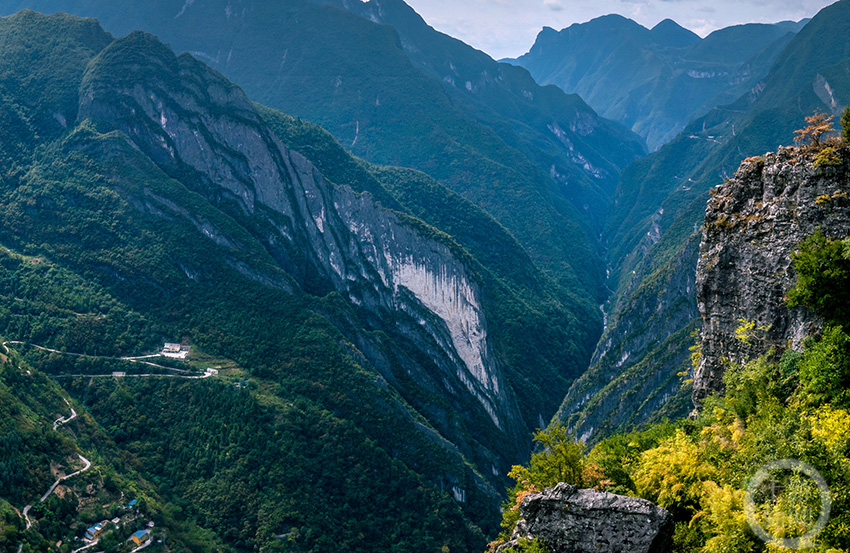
<point>360,397</point>
<point>539,161</point>
<point>764,464</point>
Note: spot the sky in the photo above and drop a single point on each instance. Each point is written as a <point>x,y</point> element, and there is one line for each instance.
<point>507,28</point>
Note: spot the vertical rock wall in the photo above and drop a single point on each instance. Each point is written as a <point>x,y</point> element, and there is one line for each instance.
<point>753,223</point>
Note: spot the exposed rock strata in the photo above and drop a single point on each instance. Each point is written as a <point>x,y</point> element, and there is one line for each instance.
<point>202,129</point>
<point>753,223</point>
<point>569,520</point>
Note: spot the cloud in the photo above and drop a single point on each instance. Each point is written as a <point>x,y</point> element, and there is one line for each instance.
<point>702,27</point>
<point>554,5</point>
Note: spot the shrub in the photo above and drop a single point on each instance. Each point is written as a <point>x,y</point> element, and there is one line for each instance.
<point>823,278</point>
<point>825,368</point>
<point>827,157</point>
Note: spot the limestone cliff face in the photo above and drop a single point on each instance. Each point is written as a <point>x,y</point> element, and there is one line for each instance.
<point>753,223</point>
<point>203,130</point>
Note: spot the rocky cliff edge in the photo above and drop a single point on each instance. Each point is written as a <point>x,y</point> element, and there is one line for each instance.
<point>753,223</point>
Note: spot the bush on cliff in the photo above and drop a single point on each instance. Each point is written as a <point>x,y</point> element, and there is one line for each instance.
<point>823,277</point>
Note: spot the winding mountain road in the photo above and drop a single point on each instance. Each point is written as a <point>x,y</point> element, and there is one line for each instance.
<point>128,359</point>
<point>62,420</point>
<point>66,419</point>
<point>87,464</point>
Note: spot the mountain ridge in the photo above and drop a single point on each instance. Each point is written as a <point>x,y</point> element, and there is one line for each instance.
<point>664,77</point>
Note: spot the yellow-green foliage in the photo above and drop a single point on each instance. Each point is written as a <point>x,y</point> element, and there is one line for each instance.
<point>748,332</point>
<point>790,406</point>
<point>699,469</point>
<point>724,513</point>
<point>560,459</point>
<point>672,473</point>
<point>831,427</point>
<point>827,157</point>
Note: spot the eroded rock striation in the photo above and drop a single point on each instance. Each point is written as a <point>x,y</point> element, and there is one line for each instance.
<point>569,520</point>
<point>202,130</point>
<point>753,223</point>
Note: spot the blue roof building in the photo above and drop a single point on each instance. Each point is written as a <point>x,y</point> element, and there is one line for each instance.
<point>139,537</point>
<point>94,531</point>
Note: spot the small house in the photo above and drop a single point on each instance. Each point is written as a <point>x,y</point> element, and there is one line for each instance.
<point>171,348</point>
<point>140,537</point>
<point>94,532</point>
<point>131,504</point>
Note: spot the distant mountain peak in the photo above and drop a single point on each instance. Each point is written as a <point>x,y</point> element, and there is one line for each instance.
<point>670,33</point>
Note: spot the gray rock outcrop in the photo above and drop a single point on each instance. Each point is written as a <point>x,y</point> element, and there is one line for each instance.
<point>569,520</point>
<point>753,223</point>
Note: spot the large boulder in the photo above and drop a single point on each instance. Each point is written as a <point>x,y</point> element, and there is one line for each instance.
<point>569,520</point>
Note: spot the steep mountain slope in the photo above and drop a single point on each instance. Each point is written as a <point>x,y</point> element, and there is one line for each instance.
<point>146,200</point>
<point>509,100</point>
<point>540,365</point>
<point>654,228</point>
<point>60,474</point>
<point>655,81</point>
<point>545,172</point>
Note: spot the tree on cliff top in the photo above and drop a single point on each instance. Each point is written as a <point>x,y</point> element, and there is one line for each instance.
<point>845,124</point>
<point>818,125</point>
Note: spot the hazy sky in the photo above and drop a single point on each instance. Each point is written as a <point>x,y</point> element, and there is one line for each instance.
<point>507,28</point>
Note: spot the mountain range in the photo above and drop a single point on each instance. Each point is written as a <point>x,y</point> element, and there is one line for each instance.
<point>653,233</point>
<point>385,250</point>
<point>146,199</point>
<point>655,81</point>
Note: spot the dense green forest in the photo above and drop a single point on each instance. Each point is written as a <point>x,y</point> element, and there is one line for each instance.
<point>104,255</point>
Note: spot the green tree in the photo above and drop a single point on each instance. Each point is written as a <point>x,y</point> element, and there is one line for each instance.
<point>845,125</point>
<point>823,277</point>
<point>825,368</point>
<point>560,459</point>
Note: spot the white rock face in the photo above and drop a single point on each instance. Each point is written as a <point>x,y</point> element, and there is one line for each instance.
<point>383,262</point>
<point>455,301</point>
